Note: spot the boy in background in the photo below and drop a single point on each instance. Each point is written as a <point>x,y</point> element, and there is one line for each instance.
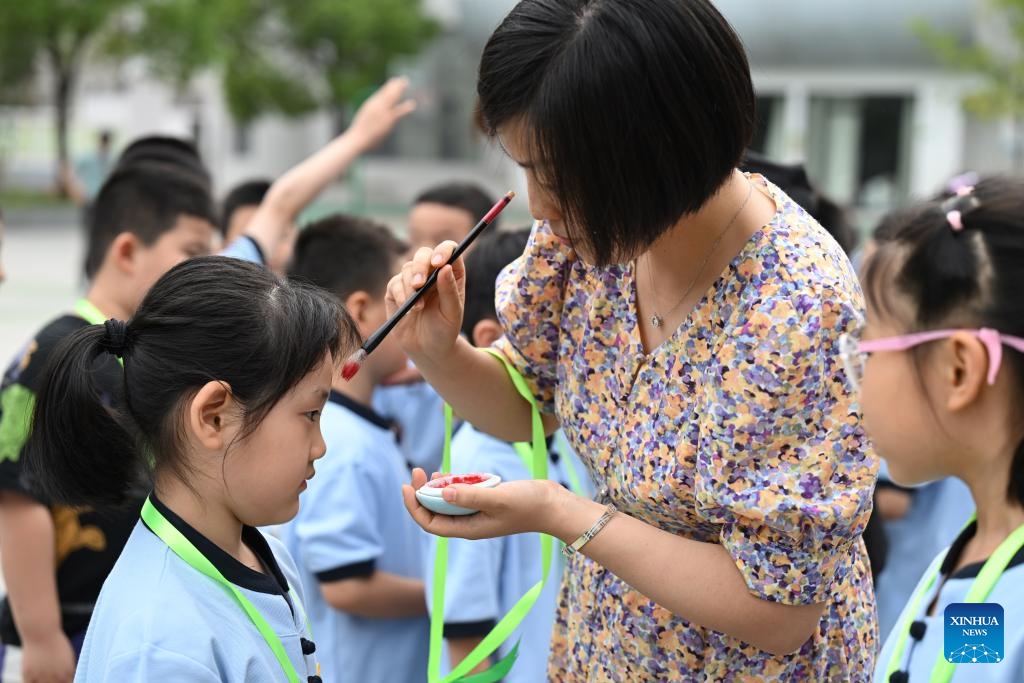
<point>358,549</point>
<point>487,577</point>
<point>239,206</point>
<point>443,212</point>
<point>147,217</point>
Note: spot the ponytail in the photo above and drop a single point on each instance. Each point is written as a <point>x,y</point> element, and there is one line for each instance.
<point>80,451</point>
<point>943,272</point>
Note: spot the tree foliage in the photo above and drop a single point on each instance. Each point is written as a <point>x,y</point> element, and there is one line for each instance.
<point>278,56</point>
<point>274,56</point>
<point>57,34</point>
<point>1001,66</point>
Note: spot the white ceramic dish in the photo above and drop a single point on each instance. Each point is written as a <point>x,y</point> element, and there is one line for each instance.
<point>429,495</point>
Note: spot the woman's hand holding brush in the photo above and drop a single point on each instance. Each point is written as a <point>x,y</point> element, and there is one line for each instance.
<point>430,330</point>
<point>431,273</point>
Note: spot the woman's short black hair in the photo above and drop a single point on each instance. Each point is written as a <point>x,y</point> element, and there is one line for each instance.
<point>636,111</point>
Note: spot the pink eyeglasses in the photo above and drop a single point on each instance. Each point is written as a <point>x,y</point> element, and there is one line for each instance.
<point>854,353</point>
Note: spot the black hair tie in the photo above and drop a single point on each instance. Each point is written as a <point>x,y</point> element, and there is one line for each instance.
<point>115,337</point>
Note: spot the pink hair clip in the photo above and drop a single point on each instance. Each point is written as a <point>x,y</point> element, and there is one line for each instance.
<point>955,220</point>
<point>964,190</point>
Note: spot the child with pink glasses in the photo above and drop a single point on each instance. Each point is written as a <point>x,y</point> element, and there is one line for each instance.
<point>940,370</point>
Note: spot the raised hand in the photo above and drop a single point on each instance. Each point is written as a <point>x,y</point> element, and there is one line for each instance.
<point>377,116</point>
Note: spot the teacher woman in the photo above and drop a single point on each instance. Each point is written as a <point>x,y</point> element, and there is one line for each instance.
<point>679,320</point>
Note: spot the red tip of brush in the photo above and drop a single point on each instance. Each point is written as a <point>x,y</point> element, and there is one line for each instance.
<point>352,365</point>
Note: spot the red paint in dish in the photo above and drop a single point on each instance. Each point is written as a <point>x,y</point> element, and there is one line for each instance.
<point>458,479</point>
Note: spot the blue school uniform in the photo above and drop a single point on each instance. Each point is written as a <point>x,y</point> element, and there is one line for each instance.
<point>938,509</point>
<point>487,577</point>
<point>351,522</point>
<point>246,249</point>
<point>921,653</point>
<point>160,619</point>
<point>419,412</point>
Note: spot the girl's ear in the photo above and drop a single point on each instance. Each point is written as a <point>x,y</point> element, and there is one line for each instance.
<point>211,416</point>
<point>967,370</point>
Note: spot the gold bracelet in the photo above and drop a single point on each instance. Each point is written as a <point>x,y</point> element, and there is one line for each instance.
<point>574,547</point>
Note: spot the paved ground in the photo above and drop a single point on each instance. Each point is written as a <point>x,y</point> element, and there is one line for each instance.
<point>43,260</point>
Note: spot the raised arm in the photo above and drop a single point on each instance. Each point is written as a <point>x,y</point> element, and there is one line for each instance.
<point>294,190</point>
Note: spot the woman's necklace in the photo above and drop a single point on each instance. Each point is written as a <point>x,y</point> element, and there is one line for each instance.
<point>658,319</point>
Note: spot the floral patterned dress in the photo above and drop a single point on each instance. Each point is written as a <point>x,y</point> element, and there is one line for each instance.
<point>738,430</point>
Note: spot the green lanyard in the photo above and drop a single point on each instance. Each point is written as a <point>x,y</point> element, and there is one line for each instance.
<point>504,628</point>
<point>988,577</point>
<point>88,312</point>
<point>184,549</point>
<point>92,315</point>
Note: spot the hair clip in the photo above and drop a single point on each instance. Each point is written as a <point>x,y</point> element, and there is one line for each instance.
<point>957,183</point>
<point>955,206</point>
<point>955,220</point>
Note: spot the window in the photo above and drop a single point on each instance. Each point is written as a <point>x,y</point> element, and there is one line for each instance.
<point>242,143</point>
<point>768,128</point>
<point>858,149</point>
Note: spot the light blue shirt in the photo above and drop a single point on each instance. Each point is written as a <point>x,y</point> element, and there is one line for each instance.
<point>351,522</point>
<point>244,248</point>
<point>938,511</point>
<point>919,657</point>
<point>92,171</point>
<point>419,412</point>
<point>159,619</point>
<point>487,577</point>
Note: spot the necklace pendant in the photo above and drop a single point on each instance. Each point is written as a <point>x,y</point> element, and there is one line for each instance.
<point>657,320</point>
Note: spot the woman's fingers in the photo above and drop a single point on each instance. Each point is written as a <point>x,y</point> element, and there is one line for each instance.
<point>419,477</point>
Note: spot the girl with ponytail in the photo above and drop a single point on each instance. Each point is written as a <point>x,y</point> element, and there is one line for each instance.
<point>226,369</point>
<point>945,323</point>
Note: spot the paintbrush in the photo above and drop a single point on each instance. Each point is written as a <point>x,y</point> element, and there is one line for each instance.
<point>355,361</point>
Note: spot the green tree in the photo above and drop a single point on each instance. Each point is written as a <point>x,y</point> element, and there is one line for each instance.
<point>1000,65</point>
<point>278,56</point>
<point>275,56</point>
<point>56,34</point>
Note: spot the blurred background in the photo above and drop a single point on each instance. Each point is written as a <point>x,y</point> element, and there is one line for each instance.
<point>882,101</point>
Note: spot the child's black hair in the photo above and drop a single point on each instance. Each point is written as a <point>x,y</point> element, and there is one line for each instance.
<point>484,263</point>
<point>145,198</point>
<point>208,319</point>
<point>166,150</point>
<point>249,193</point>
<point>471,198</point>
<point>635,111</point>
<point>970,278</point>
<point>345,254</point>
